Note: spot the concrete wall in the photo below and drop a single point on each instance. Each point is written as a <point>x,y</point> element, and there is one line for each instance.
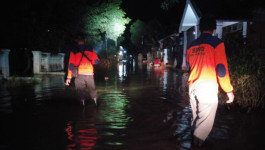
<point>46,63</point>
<point>4,63</point>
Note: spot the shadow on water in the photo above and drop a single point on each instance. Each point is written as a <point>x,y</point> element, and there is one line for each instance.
<point>141,108</point>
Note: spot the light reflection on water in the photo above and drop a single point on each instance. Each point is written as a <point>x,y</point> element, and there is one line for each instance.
<point>24,92</point>
<point>82,135</point>
<point>112,118</point>
<point>138,108</point>
<point>109,120</point>
<point>122,70</point>
<point>48,86</point>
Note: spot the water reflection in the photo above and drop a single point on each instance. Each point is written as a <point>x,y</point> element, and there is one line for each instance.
<point>180,125</point>
<point>122,70</point>
<point>16,94</point>
<point>141,109</point>
<point>82,132</point>
<point>5,103</point>
<point>112,110</point>
<point>172,90</point>
<point>112,119</point>
<point>48,86</point>
<point>105,126</point>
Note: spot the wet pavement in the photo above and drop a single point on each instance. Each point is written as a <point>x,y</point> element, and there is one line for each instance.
<point>141,108</point>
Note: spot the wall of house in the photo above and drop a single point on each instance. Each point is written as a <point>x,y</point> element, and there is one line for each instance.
<point>256,35</point>
<point>47,63</point>
<point>4,63</point>
<point>188,37</point>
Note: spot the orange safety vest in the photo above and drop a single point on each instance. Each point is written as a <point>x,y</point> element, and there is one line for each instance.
<point>85,66</point>
<point>207,63</point>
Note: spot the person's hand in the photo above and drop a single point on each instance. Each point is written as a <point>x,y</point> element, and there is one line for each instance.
<point>67,82</point>
<point>230,96</point>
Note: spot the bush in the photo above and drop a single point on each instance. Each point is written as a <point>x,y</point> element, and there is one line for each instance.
<point>246,69</point>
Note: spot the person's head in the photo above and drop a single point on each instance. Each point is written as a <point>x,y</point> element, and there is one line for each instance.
<point>80,38</point>
<point>207,23</point>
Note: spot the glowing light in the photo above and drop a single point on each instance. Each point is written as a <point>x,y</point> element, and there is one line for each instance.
<point>117,27</point>
<point>122,70</point>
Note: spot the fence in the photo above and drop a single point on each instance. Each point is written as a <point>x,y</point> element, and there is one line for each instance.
<point>47,63</point>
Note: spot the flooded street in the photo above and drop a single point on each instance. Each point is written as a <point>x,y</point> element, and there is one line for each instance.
<point>141,108</point>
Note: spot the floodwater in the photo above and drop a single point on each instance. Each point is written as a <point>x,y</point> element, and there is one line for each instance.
<point>141,108</point>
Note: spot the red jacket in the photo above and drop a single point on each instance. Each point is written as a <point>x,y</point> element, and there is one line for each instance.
<point>86,66</point>
<point>207,62</point>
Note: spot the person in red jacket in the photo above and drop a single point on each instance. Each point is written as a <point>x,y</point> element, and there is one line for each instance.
<point>84,57</point>
<point>208,69</point>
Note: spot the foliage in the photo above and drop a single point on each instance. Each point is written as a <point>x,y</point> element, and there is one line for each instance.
<point>112,50</point>
<point>145,36</point>
<point>248,88</point>
<point>167,4</point>
<point>247,70</point>
<point>105,20</point>
<point>51,24</point>
<point>46,25</point>
<point>138,31</point>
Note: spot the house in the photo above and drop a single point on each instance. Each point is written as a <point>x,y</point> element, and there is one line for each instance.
<point>172,49</point>
<point>245,19</point>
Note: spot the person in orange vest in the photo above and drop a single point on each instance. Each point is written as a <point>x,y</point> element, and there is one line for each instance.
<point>84,57</point>
<point>208,69</point>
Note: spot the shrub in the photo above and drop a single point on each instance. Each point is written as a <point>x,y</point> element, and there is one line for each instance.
<point>246,69</point>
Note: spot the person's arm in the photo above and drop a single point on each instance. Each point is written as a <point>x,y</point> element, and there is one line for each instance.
<point>95,59</point>
<point>223,72</point>
<point>70,68</point>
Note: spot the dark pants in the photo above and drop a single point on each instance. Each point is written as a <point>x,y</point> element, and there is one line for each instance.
<point>85,81</point>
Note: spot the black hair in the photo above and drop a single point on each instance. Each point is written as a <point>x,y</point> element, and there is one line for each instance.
<point>207,23</point>
<point>80,36</point>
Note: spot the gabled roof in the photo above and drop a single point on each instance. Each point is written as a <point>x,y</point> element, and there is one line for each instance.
<point>190,16</point>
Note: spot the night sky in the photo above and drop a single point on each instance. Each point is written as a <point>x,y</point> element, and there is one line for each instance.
<point>147,10</point>
<point>15,15</point>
